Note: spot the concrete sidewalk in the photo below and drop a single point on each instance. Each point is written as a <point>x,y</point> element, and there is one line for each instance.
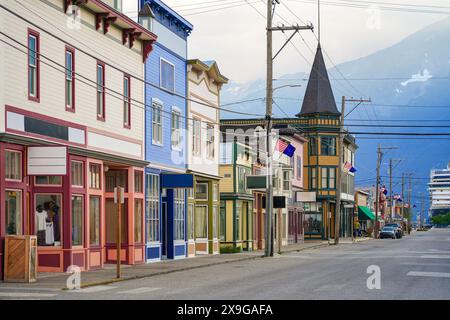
<point>57,281</point>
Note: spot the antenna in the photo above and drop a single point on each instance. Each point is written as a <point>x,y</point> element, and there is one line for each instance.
<point>318,14</point>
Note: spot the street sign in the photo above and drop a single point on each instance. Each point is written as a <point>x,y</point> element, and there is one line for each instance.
<point>119,194</point>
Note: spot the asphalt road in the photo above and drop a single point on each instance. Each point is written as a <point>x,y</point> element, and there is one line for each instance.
<point>415,267</point>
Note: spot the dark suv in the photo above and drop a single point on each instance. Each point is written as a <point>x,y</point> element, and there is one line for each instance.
<point>398,229</point>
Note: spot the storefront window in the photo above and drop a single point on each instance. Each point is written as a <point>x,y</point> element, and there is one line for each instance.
<point>111,221</point>
<point>13,208</point>
<point>138,220</point>
<point>201,191</point>
<point>13,165</point>
<point>222,221</point>
<point>313,223</point>
<point>152,207</point>
<point>238,220</point>
<point>201,220</point>
<point>94,220</point>
<point>77,220</point>
<point>94,175</point>
<point>215,213</point>
<point>179,214</point>
<point>138,181</point>
<point>77,174</point>
<point>48,180</point>
<point>190,221</point>
<point>116,178</point>
<point>48,219</point>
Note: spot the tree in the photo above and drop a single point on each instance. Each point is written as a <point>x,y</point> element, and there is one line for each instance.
<point>441,220</point>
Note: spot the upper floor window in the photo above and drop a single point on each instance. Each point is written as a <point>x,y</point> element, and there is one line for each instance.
<point>210,141</point>
<point>286,180</point>
<point>328,176</point>
<point>70,79</point>
<point>100,91</point>
<point>299,167</point>
<point>147,23</point>
<point>313,178</point>
<point>167,75</point>
<point>77,174</point>
<point>176,129</point>
<point>157,123</point>
<point>95,175</point>
<point>313,146</point>
<point>13,165</point>
<point>118,5</point>
<point>33,66</point>
<point>328,146</point>
<point>126,101</point>
<point>196,137</point>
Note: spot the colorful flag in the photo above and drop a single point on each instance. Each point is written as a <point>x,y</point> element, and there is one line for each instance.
<point>384,190</point>
<point>285,148</point>
<point>289,151</point>
<point>348,167</point>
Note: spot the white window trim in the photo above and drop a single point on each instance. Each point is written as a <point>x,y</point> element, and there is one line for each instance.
<point>160,75</point>
<point>208,155</point>
<point>160,103</point>
<point>180,114</point>
<point>197,153</point>
<point>207,192</point>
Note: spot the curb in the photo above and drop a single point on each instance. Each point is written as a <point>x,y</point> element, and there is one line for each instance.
<point>302,249</point>
<point>110,281</point>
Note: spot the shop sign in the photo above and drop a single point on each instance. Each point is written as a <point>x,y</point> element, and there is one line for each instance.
<point>305,196</point>
<point>47,161</point>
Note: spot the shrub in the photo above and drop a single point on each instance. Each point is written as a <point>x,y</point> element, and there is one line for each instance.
<point>230,249</point>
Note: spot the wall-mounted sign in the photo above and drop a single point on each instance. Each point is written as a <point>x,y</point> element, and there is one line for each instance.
<point>49,160</point>
<point>256,182</point>
<point>305,196</point>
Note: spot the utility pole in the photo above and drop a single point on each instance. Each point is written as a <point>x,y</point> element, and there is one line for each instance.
<point>403,198</point>
<point>269,101</point>
<point>340,173</point>
<point>391,197</point>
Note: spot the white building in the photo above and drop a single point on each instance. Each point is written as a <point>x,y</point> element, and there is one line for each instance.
<point>439,188</point>
<point>71,84</point>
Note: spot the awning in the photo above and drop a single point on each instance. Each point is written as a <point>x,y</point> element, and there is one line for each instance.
<point>364,213</point>
<point>176,180</point>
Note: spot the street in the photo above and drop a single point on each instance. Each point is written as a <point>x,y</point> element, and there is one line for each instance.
<point>415,267</point>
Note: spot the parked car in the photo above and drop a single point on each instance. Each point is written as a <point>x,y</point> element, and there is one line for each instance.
<point>388,232</point>
<point>398,229</point>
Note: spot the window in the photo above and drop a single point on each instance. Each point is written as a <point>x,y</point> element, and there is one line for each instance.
<point>238,219</point>
<point>94,220</point>
<point>201,191</point>
<point>13,165</point>
<point>313,223</point>
<point>222,221</point>
<point>190,193</point>
<point>48,180</point>
<point>242,172</point>
<point>138,221</point>
<point>152,207</point>
<point>100,91</point>
<point>328,178</point>
<point>126,101</point>
<point>196,137</point>
<point>167,75</point>
<point>33,66</point>
<point>313,172</point>
<point>299,167</point>
<point>328,146</point>
<point>190,221</point>
<point>215,192</point>
<point>313,146</point>
<point>178,219</point>
<point>118,5</point>
<point>176,130</point>
<point>116,178</point>
<point>95,175</point>
<point>77,220</point>
<point>286,180</point>
<point>201,222</point>
<point>157,123</point>
<point>70,79</point>
<point>147,23</point>
<point>215,219</point>
<point>76,173</point>
<point>138,181</point>
<point>13,210</point>
<point>210,141</point>
<point>48,218</point>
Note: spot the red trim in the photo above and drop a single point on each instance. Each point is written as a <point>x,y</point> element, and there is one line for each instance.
<point>102,118</point>
<point>38,66</point>
<point>148,48</point>
<point>107,23</point>
<point>45,118</point>
<point>72,51</point>
<point>128,125</point>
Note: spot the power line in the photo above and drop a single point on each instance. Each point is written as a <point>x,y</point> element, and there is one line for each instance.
<point>219,9</point>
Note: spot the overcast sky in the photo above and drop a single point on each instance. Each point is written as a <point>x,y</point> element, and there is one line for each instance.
<point>235,37</point>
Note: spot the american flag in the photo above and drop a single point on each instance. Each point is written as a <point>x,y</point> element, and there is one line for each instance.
<point>347,166</point>
<point>281,145</point>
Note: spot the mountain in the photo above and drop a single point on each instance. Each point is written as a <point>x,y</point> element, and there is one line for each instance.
<point>413,72</point>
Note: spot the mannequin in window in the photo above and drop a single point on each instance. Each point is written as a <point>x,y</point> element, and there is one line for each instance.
<point>54,208</point>
<point>41,217</point>
<point>49,232</point>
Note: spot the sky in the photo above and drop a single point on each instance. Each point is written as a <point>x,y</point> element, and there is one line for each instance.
<point>235,37</point>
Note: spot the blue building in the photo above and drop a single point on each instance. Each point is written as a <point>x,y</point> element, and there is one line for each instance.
<point>165,126</point>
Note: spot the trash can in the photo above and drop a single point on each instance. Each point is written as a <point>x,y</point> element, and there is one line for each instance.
<point>20,259</point>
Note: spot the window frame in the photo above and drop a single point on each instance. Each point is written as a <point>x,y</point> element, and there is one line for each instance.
<point>299,167</point>
<point>20,215</point>
<point>71,51</point>
<point>72,162</point>
<point>161,61</point>
<point>37,95</point>
<point>328,178</point>
<point>176,112</point>
<point>127,101</point>
<point>101,117</point>
<point>196,137</point>
<point>95,164</point>
<point>82,196</point>
<point>152,199</point>
<point>210,141</point>
<point>91,244</point>
<point>328,147</point>
<point>157,104</point>
<point>20,168</point>
<point>207,191</point>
